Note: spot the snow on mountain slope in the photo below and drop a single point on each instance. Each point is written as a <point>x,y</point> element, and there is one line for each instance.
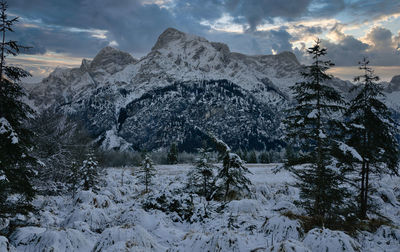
<point>175,57</point>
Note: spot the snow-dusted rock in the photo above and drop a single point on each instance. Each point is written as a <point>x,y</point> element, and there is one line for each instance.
<point>330,241</point>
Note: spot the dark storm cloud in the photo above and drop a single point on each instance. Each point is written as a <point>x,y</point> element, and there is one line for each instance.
<point>136,24</point>
<point>364,10</point>
<point>131,24</point>
<point>257,11</point>
<point>326,8</point>
<point>57,40</point>
<point>380,37</point>
<point>349,51</point>
<point>254,43</point>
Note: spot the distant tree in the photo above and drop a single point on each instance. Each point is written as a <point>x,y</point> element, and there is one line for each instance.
<point>201,177</point>
<point>371,133</point>
<point>245,155</point>
<point>252,157</point>
<point>264,158</point>
<point>16,162</point>
<point>290,154</point>
<point>146,172</point>
<point>172,157</point>
<point>311,125</point>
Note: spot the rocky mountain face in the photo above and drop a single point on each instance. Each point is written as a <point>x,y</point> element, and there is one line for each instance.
<point>184,84</point>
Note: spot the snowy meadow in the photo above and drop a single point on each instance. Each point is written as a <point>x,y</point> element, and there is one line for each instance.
<point>120,216</point>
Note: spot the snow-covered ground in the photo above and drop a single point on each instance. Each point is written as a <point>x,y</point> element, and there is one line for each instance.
<point>113,219</point>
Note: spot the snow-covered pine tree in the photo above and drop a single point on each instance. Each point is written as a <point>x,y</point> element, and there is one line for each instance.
<point>371,133</point>
<point>146,172</point>
<point>90,172</point>
<point>16,162</point>
<point>172,157</point>
<point>201,178</point>
<point>74,178</point>
<point>311,127</point>
<point>233,172</point>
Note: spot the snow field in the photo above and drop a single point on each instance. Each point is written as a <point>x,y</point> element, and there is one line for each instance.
<point>113,219</point>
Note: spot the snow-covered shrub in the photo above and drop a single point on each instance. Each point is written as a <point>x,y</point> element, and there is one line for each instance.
<point>127,238</point>
<point>225,240</point>
<point>331,241</point>
<point>288,246</point>
<point>244,206</point>
<point>384,239</point>
<point>281,228</point>
<point>5,245</point>
<point>47,240</point>
<point>173,204</point>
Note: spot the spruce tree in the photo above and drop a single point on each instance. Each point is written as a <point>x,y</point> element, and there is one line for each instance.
<point>253,157</point>
<point>232,175</point>
<point>312,128</point>
<point>90,172</point>
<point>172,157</point>
<point>16,162</point>
<point>371,133</point>
<point>146,172</point>
<point>201,177</point>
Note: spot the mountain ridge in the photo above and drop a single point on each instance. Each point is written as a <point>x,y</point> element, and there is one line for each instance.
<point>101,89</point>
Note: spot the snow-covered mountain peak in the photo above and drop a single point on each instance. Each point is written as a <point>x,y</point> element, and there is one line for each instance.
<point>111,60</point>
<point>169,35</point>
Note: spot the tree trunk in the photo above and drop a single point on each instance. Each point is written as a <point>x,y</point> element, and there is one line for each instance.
<point>366,191</point>
<point>362,201</point>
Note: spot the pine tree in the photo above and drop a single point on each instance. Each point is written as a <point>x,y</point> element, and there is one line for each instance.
<point>253,157</point>
<point>201,177</point>
<point>232,174</point>
<point>74,178</point>
<point>372,133</point>
<point>146,172</point>
<point>312,128</point>
<point>264,158</point>
<point>16,163</point>
<point>172,157</point>
<point>90,172</point>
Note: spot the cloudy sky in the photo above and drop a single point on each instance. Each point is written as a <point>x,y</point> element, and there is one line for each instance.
<point>62,32</point>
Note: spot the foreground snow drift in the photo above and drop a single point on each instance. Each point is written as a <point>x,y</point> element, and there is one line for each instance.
<point>120,217</point>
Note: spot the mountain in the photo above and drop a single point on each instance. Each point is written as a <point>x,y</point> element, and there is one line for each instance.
<point>184,83</point>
